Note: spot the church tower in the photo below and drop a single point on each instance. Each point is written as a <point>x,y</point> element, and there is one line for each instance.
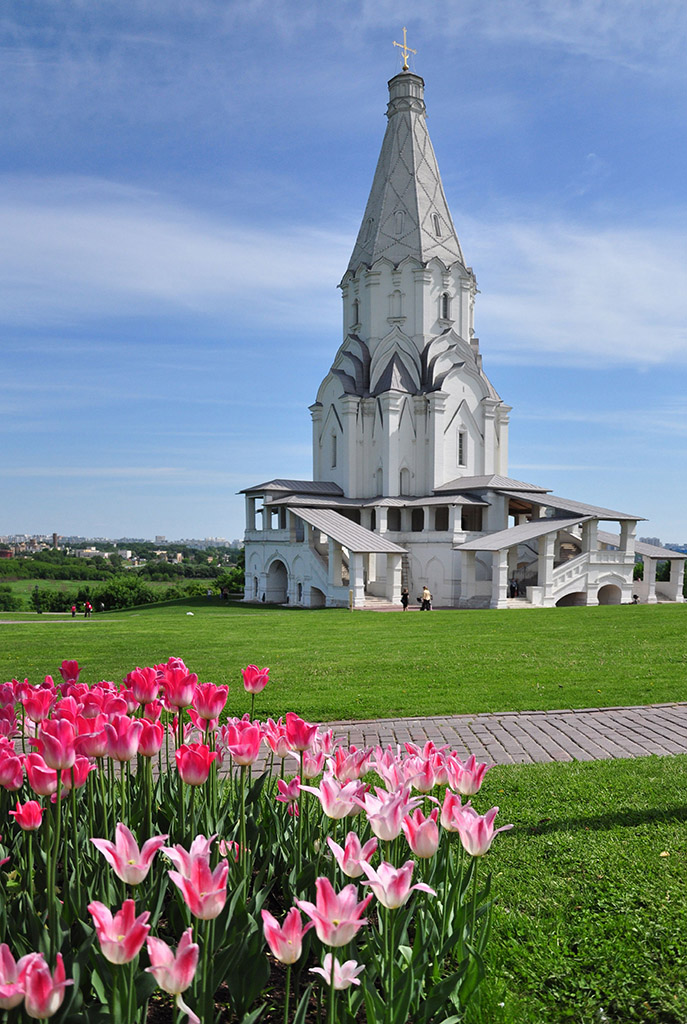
<point>406,406</point>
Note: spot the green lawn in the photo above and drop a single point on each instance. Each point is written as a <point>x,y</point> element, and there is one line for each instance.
<point>338,664</point>
<point>590,923</point>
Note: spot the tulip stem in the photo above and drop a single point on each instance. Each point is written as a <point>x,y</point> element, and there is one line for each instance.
<point>287,994</point>
<point>299,857</point>
<point>29,838</point>
<point>55,858</point>
<point>75,844</point>
<point>475,861</point>
<point>331,994</point>
<point>130,995</point>
<point>122,794</point>
<point>193,813</point>
<point>243,853</point>
<point>103,798</point>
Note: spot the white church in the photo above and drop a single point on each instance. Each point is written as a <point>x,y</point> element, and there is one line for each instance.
<point>410,480</point>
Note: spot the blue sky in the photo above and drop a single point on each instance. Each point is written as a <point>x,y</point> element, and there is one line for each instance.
<point>180,189</point>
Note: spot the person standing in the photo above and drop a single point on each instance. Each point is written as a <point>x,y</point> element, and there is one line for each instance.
<point>426,605</point>
<point>405,598</point>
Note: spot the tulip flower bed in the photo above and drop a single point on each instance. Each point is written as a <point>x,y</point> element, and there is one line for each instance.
<point>143,853</point>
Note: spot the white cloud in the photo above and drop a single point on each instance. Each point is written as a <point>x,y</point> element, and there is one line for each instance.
<point>89,249</point>
<point>578,295</point>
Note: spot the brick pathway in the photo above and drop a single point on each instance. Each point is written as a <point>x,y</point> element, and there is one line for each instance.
<point>524,737</point>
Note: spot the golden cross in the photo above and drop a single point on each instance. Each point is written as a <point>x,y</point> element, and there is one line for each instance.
<point>406,50</point>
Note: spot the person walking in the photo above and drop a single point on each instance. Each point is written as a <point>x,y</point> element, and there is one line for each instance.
<point>73,611</point>
<point>426,604</point>
<point>405,598</point>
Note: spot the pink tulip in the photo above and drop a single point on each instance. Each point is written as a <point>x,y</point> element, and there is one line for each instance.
<point>69,670</point>
<point>8,723</point>
<point>289,793</point>
<point>115,704</point>
<point>255,679</point>
<point>11,989</point>
<point>451,811</point>
<point>242,741</point>
<point>312,763</point>
<point>230,849</point>
<point>57,737</point>
<point>338,801</point>
<point>37,703</point>
<point>352,854</point>
<point>29,815</point>
<point>392,885</point>
<point>123,736</point>
<point>121,936</point>
<point>77,774</point>
<point>179,687</point>
<point>386,811</point>
<point>43,780</point>
<point>301,735</point>
<point>66,709</point>
<point>11,771</point>
<point>127,861</point>
<point>285,941</point>
<point>466,778</point>
<point>183,859</point>
<point>144,684</point>
<point>345,974</point>
<point>193,763</point>
<point>174,972</point>
<point>477,831</point>
<point>152,711</point>
<point>422,833</point>
<point>150,740</point>
<point>275,734</point>
<point>43,992</point>
<point>204,891</point>
<point>337,918</point>
<point>350,765</point>
<point>209,700</point>
<point>91,738</point>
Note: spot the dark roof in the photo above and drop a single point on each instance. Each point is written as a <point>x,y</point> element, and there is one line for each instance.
<point>494,481</point>
<point>296,487</point>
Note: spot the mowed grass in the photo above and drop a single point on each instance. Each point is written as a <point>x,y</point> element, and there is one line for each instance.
<point>590,921</point>
<point>334,664</point>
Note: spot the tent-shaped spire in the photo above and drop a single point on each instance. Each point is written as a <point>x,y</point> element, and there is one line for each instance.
<point>407,213</point>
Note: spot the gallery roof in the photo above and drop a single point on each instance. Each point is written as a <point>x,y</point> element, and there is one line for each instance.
<point>350,535</point>
<point>520,534</point>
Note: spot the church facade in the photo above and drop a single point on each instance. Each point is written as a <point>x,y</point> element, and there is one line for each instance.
<point>410,480</point>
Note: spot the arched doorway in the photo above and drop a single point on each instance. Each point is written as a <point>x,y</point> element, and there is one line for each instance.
<point>576,600</point>
<point>317,598</point>
<point>610,594</point>
<point>277,583</point>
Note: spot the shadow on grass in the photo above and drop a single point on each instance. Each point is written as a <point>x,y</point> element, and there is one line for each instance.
<point>624,818</point>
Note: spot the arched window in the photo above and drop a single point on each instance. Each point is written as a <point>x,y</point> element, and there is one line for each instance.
<point>380,482</point>
<point>333,450</point>
<point>398,223</point>
<point>437,224</point>
<point>445,311</point>
<point>404,481</point>
<point>356,311</point>
<point>396,303</point>
<point>462,448</point>
<point>368,229</point>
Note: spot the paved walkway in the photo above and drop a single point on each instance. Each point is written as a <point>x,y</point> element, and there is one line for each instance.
<point>525,737</point>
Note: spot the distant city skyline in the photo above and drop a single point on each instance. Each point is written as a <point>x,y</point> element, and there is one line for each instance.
<point>181,186</point>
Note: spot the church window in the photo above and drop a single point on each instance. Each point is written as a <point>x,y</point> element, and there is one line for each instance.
<point>445,306</point>
<point>356,311</point>
<point>441,518</point>
<point>404,482</point>
<point>437,224</point>
<point>373,519</point>
<point>398,223</point>
<point>380,482</point>
<point>471,519</point>
<point>417,520</point>
<point>393,520</point>
<point>368,229</point>
<point>462,448</point>
<point>333,450</point>
<point>396,303</point>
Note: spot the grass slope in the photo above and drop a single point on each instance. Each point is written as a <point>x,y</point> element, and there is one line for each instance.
<point>334,664</point>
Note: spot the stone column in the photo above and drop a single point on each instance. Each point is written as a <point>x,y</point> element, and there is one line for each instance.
<point>391,407</point>
<point>250,512</point>
<point>381,519</point>
<point>435,434</point>
<point>349,415</point>
<point>627,539</point>
<point>499,579</point>
<point>357,583</point>
<point>393,577</point>
<point>334,567</point>
<point>650,579</point>
<point>489,406</point>
<point>547,545</point>
<point>316,415</point>
<point>590,536</point>
<point>467,576</point>
<point>677,579</point>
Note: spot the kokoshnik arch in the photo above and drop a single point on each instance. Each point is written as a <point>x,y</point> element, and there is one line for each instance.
<point>410,439</point>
